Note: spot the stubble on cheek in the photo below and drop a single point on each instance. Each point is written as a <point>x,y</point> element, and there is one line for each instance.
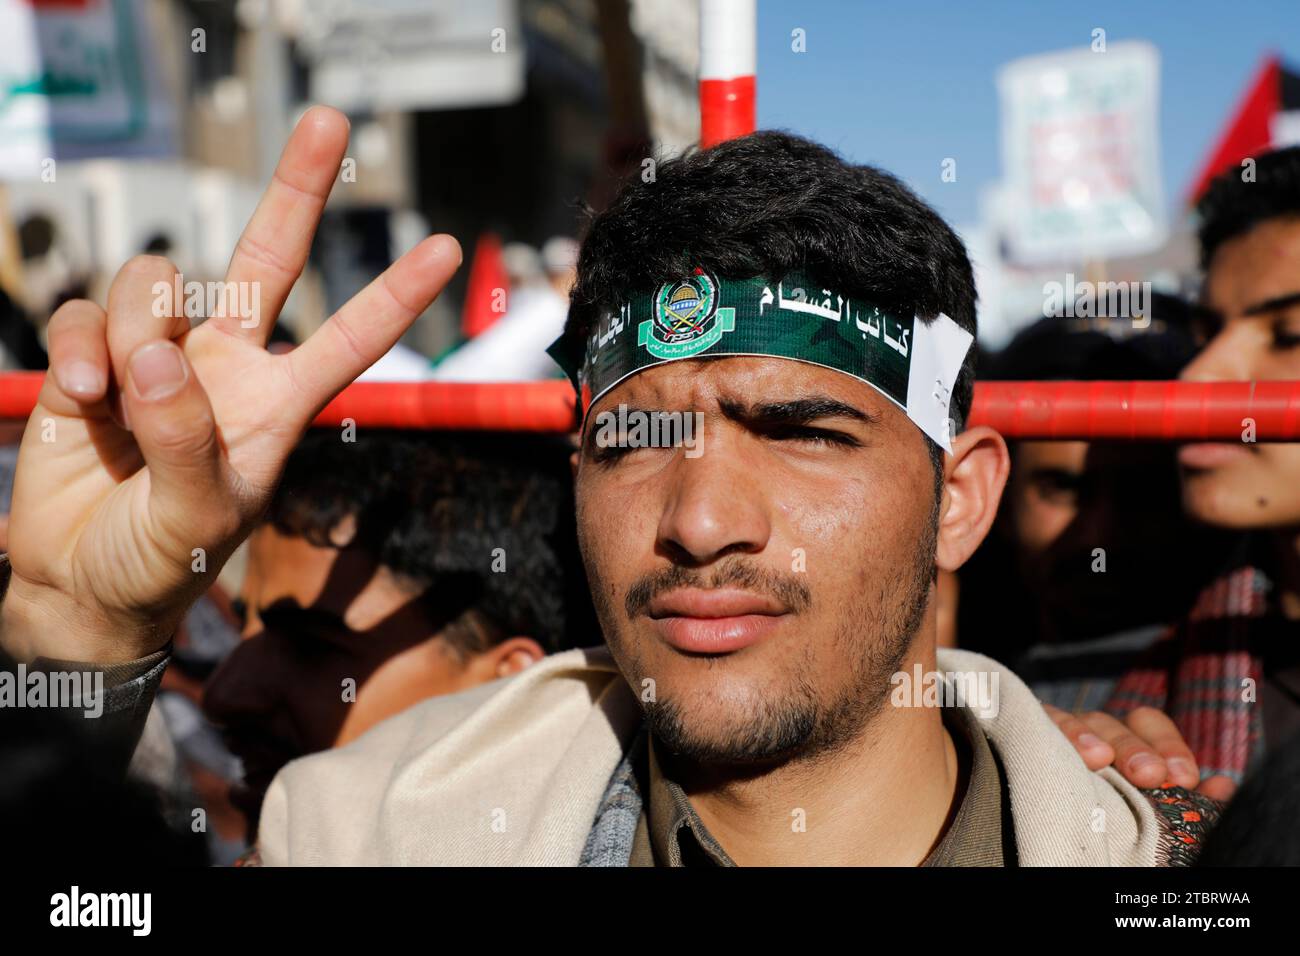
<point>801,695</point>
<point>598,535</point>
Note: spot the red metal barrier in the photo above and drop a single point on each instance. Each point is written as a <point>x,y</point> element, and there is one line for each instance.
<point>1156,411</point>
<point>1160,411</point>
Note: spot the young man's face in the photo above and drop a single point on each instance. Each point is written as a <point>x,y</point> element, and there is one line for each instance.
<point>330,615</point>
<point>1253,284</point>
<point>762,593</point>
<point>1066,499</point>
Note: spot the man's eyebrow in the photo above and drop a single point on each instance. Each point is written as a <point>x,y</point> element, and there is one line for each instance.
<point>797,411</point>
<point>1274,304</point>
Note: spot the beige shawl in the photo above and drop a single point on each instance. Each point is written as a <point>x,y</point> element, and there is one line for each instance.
<point>512,772</point>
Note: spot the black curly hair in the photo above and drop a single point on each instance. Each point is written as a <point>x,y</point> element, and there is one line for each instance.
<point>434,507</point>
<point>766,204</point>
<point>1233,205</point>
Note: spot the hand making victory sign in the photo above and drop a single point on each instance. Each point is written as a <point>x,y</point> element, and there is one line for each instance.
<point>110,521</point>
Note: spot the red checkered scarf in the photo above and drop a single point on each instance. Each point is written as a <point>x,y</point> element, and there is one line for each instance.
<point>1205,672</point>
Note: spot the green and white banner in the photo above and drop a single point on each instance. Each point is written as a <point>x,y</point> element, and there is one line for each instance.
<point>911,362</point>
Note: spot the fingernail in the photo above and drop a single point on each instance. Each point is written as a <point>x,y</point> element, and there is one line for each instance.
<point>448,246</point>
<point>157,371</point>
<point>1181,766</point>
<point>1142,762</point>
<point>1091,741</point>
<point>81,378</point>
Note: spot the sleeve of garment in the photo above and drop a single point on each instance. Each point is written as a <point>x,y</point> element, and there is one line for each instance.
<point>1185,818</point>
<point>113,723</point>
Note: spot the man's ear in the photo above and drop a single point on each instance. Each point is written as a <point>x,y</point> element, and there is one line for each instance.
<point>975,474</point>
<point>514,655</point>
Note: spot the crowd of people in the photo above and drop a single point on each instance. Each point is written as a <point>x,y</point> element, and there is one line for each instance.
<point>498,648</point>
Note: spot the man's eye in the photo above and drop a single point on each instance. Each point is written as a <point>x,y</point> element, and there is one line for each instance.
<point>1205,326</point>
<point>815,436</point>
<point>611,453</point>
<point>1059,487</point>
<point>1285,336</point>
<point>608,453</point>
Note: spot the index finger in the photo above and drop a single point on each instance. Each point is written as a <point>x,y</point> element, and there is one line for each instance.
<point>273,248</point>
<point>368,324</point>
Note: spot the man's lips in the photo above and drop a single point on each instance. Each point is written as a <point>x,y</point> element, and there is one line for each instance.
<point>1211,454</point>
<point>714,622</point>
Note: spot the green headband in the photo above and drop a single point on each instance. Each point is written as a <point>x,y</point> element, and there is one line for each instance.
<point>911,362</point>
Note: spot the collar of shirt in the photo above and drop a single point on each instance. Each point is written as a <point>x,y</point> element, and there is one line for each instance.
<point>671,833</point>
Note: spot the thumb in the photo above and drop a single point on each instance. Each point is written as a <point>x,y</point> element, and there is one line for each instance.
<point>1219,788</point>
<point>172,421</point>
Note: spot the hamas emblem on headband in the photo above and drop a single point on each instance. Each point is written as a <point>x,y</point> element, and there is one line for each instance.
<point>686,319</point>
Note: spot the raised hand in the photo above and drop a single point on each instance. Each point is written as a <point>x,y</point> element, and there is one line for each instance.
<point>154,448</point>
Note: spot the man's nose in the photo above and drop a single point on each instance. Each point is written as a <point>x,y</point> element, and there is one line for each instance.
<point>1226,358</point>
<point>716,505</point>
<point>244,686</point>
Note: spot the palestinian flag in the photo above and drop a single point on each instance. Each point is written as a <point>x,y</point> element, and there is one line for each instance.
<point>1268,117</point>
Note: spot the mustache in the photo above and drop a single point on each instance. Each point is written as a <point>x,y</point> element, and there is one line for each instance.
<point>792,592</point>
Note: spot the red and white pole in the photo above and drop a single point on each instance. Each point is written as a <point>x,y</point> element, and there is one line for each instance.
<point>728,62</point>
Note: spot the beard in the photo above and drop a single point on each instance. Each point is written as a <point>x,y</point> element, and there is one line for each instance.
<point>792,718</point>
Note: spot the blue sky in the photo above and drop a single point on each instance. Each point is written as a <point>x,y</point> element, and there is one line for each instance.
<point>904,84</point>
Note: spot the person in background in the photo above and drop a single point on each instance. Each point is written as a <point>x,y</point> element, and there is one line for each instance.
<point>523,267</point>
<point>1228,672</point>
<point>1091,554</point>
<point>53,273</point>
<point>560,259</point>
<point>391,569</point>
